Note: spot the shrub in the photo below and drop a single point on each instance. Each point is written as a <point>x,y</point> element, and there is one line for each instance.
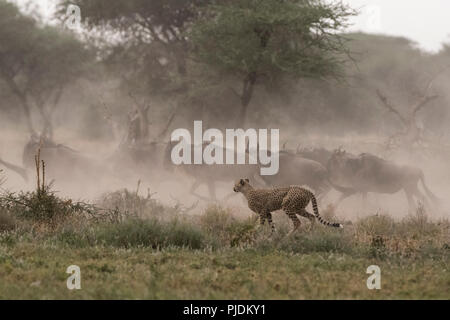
<point>75,238</point>
<point>123,204</point>
<point>418,224</point>
<point>318,240</point>
<point>376,225</point>
<point>2,179</point>
<point>7,221</point>
<point>42,205</point>
<point>135,232</point>
<point>215,220</point>
<point>226,230</point>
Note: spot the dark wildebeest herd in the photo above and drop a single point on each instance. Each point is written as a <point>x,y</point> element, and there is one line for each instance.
<point>320,169</point>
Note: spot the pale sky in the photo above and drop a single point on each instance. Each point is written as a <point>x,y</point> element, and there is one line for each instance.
<point>424,21</point>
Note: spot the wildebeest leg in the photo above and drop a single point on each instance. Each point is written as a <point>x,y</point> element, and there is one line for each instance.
<point>21,171</point>
<point>228,196</point>
<point>364,196</point>
<point>323,192</point>
<point>194,187</point>
<point>259,181</point>
<point>364,202</point>
<point>342,197</point>
<point>409,197</point>
<point>212,190</point>
<point>421,197</point>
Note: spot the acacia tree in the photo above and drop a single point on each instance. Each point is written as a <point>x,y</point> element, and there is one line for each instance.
<point>263,41</point>
<point>37,63</point>
<point>411,133</point>
<point>147,41</point>
<point>144,45</point>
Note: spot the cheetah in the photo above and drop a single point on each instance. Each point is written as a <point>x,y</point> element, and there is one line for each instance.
<point>293,200</point>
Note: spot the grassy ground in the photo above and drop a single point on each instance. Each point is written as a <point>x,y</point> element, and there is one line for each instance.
<point>30,271</point>
<point>135,248</point>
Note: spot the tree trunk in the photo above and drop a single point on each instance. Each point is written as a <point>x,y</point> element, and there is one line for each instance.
<point>250,79</point>
<point>27,112</point>
<point>47,130</point>
<point>48,126</point>
<point>23,101</point>
<point>246,97</point>
<point>144,123</point>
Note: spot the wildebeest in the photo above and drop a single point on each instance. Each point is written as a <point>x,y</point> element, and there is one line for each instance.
<point>19,170</point>
<point>210,174</point>
<point>62,162</point>
<point>368,173</point>
<point>295,170</point>
<point>146,159</point>
<point>320,154</point>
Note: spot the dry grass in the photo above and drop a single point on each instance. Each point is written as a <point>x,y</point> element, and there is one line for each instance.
<point>135,247</point>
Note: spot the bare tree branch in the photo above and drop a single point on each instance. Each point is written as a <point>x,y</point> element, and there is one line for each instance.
<point>21,171</point>
<point>427,98</point>
<point>235,93</point>
<point>389,106</point>
<point>167,126</point>
<point>422,103</point>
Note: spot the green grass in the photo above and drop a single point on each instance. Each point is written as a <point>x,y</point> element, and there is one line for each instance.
<point>135,248</point>
<point>30,271</point>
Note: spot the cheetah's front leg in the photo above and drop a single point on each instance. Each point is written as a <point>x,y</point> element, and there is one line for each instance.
<point>265,214</point>
<point>262,218</point>
<point>269,218</point>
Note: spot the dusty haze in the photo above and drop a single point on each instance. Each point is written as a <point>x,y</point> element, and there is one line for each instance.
<point>92,119</point>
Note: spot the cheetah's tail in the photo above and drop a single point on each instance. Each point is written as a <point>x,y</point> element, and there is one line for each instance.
<point>316,213</point>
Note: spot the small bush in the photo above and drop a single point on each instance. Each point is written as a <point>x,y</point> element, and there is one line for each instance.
<point>2,179</point>
<point>418,224</point>
<point>215,220</point>
<point>150,233</point>
<point>377,247</point>
<point>242,232</point>
<point>226,230</point>
<point>73,238</point>
<point>7,221</point>
<point>376,225</point>
<point>317,241</point>
<point>42,205</point>
<point>123,204</point>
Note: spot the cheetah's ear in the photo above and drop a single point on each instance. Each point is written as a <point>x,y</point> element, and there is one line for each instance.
<point>248,181</point>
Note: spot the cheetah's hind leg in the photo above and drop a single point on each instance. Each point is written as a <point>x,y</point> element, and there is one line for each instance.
<point>310,217</point>
<point>295,220</point>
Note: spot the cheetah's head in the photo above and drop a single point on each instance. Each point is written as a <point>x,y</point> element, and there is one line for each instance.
<point>241,184</point>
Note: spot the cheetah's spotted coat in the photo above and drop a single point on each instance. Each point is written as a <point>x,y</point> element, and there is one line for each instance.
<point>293,200</point>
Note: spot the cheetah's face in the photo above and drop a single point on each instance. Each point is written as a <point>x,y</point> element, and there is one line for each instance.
<point>240,184</point>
